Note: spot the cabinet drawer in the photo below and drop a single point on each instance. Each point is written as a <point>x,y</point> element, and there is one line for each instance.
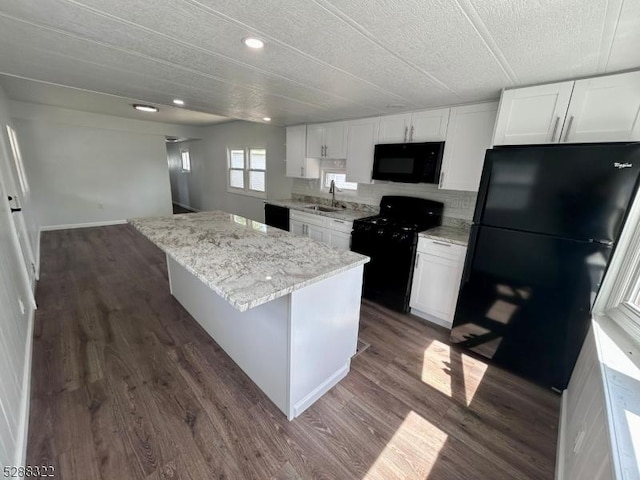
<point>340,225</point>
<point>309,218</point>
<point>441,248</point>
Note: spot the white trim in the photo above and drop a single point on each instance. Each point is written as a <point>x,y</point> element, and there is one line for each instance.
<point>320,390</point>
<point>431,319</point>
<point>562,427</point>
<point>37,254</point>
<point>23,429</point>
<point>50,228</point>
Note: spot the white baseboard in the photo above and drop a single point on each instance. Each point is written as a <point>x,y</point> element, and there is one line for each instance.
<point>320,390</point>
<point>431,319</point>
<point>25,400</point>
<point>561,437</point>
<point>50,228</point>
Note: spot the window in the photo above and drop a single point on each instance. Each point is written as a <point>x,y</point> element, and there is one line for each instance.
<point>248,171</point>
<point>340,179</point>
<point>186,160</point>
<point>619,297</point>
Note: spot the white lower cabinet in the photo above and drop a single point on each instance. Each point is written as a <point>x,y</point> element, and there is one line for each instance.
<point>334,232</point>
<point>436,280</point>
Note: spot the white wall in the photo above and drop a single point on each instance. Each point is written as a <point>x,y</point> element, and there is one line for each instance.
<point>87,168</point>
<point>16,324</point>
<point>206,185</point>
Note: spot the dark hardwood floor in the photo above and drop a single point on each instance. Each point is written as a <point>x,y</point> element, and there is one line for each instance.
<point>126,385</point>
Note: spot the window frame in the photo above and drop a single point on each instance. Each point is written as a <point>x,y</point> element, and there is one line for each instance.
<point>182,152</point>
<point>621,285</point>
<point>246,190</point>
<point>325,189</point>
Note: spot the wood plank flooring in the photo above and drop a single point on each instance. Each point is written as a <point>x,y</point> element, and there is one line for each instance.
<point>126,385</point>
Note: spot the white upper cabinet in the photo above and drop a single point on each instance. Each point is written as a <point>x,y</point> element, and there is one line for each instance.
<point>362,136</point>
<point>394,128</point>
<point>429,126</point>
<point>604,109</point>
<point>468,137</point>
<point>298,165</point>
<point>532,114</point>
<point>425,126</point>
<point>327,140</point>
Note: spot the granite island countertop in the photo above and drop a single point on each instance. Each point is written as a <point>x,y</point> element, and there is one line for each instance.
<point>245,262</point>
<point>455,235</point>
<point>342,214</point>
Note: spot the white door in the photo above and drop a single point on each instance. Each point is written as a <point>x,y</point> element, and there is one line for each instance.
<point>604,109</point>
<point>361,141</point>
<point>340,240</point>
<point>532,114</point>
<point>297,227</point>
<point>16,186</point>
<point>296,150</point>
<point>315,141</point>
<point>468,138</point>
<point>394,128</point>
<point>429,126</point>
<point>436,282</point>
<point>335,145</point>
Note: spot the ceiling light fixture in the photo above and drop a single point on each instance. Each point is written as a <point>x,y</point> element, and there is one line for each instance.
<point>253,42</point>
<point>177,101</point>
<point>145,108</point>
<point>266,119</point>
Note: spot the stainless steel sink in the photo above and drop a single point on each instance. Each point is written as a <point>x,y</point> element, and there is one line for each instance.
<point>321,208</point>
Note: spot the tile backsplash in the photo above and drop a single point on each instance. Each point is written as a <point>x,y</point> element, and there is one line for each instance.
<point>457,204</point>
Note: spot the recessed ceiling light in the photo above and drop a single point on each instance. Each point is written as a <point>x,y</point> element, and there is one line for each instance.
<point>145,108</point>
<point>266,119</point>
<point>253,42</point>
<point>177,101</point>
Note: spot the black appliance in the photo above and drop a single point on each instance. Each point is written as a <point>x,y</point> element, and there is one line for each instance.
<point>408,162</point>
<point>276,216</point>
<point>545,226</point>
<point>390,239</point>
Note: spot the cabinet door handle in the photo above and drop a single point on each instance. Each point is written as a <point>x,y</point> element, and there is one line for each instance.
<point>566,135</point>
<point>441,179</point>
<point>406,131</point>
<point>417,261</point>
<point>444,244</point>
<point>325,150</point>
<point>302,171</point>
<point>555,130</point>
<point>411,134</point>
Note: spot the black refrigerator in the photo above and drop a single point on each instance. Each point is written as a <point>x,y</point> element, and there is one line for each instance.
<point>545,225</point>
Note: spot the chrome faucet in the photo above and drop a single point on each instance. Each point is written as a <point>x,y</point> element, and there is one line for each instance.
<point>332,191</point>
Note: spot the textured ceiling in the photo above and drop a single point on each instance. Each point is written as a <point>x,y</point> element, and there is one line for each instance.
<point>324,59</point>
<point>25,90</point>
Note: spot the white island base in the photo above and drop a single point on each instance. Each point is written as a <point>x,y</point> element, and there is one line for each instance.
<point>295,347</point>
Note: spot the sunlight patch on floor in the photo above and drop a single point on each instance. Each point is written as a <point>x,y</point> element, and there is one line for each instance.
<point>411,452</point>
<point>452,373</point>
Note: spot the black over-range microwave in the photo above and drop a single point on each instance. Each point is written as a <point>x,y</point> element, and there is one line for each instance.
<point>408,162</point>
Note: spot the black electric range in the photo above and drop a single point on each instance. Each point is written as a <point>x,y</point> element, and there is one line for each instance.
<point>390,239</point>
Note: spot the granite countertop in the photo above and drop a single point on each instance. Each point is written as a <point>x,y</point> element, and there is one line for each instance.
<point>245,262</point>
<point>455,235</point>
<point>342,214</point>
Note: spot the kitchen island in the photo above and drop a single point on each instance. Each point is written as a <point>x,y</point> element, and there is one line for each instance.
<point>285,308</point>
